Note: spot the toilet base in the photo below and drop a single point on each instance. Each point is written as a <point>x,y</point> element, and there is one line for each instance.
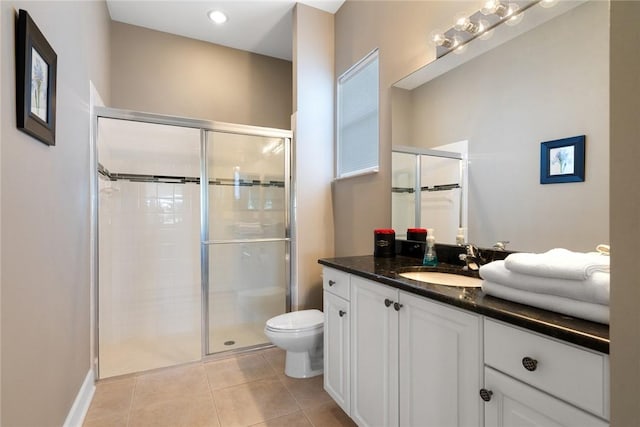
<point>304,364</point>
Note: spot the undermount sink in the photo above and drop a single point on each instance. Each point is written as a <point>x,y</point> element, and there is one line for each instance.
<point>446,279</point>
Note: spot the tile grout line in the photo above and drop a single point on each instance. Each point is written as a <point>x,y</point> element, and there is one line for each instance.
<point>213,399</point>
<point>300,408</point>
<point>133,393</point>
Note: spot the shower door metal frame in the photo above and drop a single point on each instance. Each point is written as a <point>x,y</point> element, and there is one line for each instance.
<point>205,126</point>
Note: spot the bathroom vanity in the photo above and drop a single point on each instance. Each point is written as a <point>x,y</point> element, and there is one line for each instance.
<point>409,353</point>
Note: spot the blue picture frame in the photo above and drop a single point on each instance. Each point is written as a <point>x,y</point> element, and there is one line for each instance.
<point>562,160</point>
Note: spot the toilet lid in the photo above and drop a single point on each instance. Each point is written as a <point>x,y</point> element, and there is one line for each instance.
<point>297,320</point>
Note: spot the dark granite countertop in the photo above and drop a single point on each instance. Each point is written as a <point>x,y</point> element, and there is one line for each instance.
<point>577,331</point>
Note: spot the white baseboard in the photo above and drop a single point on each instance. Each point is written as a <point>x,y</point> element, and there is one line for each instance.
<point>78,411</point>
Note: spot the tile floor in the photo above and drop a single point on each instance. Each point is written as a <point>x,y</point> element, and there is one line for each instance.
<point>246,390</point>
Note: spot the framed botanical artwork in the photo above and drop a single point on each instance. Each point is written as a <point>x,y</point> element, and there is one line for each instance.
<point>562,160</point>
<point>36,64</point>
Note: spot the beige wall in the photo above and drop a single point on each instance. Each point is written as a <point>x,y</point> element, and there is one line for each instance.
<point>547,84</point>
<point>313,62</point>
<point>167,74</point>
<point>625,212</point>
<point>45,219</point>
<point>400,30</point>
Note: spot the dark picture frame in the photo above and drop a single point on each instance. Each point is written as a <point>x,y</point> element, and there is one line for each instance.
<point>562,160</point>
<point>36,69</point>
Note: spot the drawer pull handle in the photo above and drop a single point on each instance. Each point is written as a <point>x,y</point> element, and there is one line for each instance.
<point>331,282</point>
<point>486,394</point>
<point>387,302</point>
<point>341,313</point>
<point>397,306</point>
<point>529,364</point>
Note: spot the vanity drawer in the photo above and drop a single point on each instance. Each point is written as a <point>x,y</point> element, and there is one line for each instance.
<point>336,282</point>
<point>573,374</point>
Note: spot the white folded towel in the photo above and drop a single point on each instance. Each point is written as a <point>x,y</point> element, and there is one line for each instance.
<point>583,310</point>
<point>558,263</point>
<point>595,289</point>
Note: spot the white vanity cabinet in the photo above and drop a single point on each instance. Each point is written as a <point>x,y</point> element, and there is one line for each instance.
<point>337,357</point>
<point>374,354</point>
<point>394,358</point>
<point>538,381</point>
<point>414,361</point>
<point>440,364</point>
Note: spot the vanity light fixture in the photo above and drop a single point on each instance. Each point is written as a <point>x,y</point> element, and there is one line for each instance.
<point>482,23</point>
<point>217,16</point>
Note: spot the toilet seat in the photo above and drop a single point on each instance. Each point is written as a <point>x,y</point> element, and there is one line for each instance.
<point>296,321</point>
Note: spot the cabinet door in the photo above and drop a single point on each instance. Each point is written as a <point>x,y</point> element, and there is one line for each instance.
<point>374,351</point>
<point>336,349</point>
<point>440,365</point>
<point>513,403</point>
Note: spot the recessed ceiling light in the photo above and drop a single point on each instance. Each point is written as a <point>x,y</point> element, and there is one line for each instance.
<point>218,17</point>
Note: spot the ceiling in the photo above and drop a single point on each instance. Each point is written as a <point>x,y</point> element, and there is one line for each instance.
<point>259,26</point>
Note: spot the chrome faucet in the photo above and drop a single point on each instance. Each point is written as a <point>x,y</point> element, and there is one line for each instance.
<point>472,258</point>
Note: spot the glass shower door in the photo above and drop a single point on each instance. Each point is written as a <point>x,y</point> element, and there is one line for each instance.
<point>149,292</point>
<point>246,237</point>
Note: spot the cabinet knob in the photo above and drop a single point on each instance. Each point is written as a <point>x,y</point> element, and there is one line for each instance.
<point>387,302</point>
<point>486,394</point>
<point>341,313</point>
<point>331,282</point>
<point>397,306</point>
<point>529,364</point>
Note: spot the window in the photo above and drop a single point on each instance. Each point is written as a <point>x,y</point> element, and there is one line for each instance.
<point>357,137</point>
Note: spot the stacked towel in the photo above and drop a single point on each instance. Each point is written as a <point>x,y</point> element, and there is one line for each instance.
<point>567,282</point>
<point>595,289</point>
<point>558,264</point>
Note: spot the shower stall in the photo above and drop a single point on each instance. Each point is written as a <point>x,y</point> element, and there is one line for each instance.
<point>193,238</point>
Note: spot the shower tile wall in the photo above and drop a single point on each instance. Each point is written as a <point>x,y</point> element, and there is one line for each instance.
<point>440,209</point>
<point>150,275</point>
<point>403,203</point>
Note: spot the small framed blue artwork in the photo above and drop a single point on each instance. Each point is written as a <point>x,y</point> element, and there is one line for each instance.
<point>562,160</point>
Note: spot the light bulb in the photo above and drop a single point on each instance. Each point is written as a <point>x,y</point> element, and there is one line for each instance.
<point>440,39</point>
<point>217,16</point>
<point>464,23</point>
<point>494,7</point>
<point>514,15</point>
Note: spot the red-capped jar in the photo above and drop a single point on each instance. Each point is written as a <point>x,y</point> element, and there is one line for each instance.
<point>417,234</point>
<point>384,240</point>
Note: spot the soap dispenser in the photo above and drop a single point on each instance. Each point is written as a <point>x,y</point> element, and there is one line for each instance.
<point>430,258</point>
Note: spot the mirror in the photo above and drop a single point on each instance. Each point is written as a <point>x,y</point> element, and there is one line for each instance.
<point>551,82</point>
<point>429,188</point>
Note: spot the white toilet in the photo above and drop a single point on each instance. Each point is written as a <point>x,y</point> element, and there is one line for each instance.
<point>300,334</point>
